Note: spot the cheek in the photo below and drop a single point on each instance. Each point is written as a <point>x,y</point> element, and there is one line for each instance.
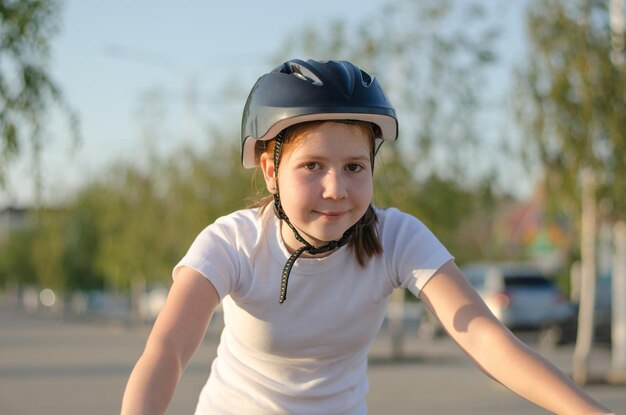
<point>364,192</point>
<point>365,183</point>
<point>294,195</point>
<point>361,192</point>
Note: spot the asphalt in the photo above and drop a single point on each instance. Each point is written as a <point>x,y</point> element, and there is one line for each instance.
<point>52,365</point>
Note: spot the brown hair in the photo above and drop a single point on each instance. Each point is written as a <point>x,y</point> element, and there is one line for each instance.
<point>365,241</point>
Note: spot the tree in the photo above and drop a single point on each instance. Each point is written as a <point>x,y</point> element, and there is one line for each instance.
<point>573,109</point>
<point>16,262</point>
<point>48,250</point>
<point>144,218</point>
<point>27,92</point>
<point>81,241</point>
<point>573,105</point>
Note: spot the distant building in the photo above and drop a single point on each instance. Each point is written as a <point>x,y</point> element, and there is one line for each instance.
<point>12,218</point>
<point>526,228</point>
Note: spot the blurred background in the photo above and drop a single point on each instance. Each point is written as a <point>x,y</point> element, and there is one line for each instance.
<point>120,142</point>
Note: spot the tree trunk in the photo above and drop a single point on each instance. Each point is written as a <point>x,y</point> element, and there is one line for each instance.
<point>395,314</point>
<point>618,312</point>
<point>584,339</point>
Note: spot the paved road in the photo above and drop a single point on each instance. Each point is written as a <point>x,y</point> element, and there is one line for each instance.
<point>51,366</point>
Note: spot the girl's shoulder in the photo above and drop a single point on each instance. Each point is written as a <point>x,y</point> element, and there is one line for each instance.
<point>227,226</point>
<point>391,217</point>
<point>240,221</point>
<point>241,227</point>
<point>249,215</point>
<point>396,226</point>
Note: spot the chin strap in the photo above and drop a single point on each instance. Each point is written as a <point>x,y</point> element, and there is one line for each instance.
<point>307,247</point>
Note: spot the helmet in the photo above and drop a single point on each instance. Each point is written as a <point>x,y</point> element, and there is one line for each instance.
<point>299,91</point>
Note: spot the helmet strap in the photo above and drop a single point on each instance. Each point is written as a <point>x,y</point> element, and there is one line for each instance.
<point>278,148</point>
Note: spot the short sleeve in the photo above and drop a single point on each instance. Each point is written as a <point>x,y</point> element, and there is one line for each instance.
<point>214,254</point>
<point>413,253</point>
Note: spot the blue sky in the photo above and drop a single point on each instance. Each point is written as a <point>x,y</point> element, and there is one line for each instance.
<point>109,55</point>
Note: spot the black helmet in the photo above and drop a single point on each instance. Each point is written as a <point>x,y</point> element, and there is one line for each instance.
<point>299,91</point>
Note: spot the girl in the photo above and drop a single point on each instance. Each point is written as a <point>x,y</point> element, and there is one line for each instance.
<point>304,278</point>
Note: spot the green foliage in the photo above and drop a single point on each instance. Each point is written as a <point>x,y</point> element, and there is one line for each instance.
<point>16,264</point>
<point>26,90</point>
<point>573,103</point>
<point>57,250</point>
<point>132,225</point>
<point>81,243</point>
<point>145,221</point>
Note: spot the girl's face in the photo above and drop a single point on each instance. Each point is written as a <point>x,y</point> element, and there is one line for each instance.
<point>325,181</point>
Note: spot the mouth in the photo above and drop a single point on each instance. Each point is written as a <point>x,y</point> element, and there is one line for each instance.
<point>331,215</point>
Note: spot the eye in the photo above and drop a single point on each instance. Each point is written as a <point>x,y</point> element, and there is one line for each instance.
<point>311,166</point>
<point>354,167</point>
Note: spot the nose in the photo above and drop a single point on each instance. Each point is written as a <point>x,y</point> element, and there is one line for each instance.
<point>334,185</point>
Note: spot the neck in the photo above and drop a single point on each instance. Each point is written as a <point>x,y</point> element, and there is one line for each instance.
<point>292,243</point>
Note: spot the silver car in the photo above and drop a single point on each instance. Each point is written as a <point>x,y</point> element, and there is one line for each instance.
<point>519,294</point>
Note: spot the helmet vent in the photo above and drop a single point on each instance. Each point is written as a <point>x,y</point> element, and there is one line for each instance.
<point>367,79</point>
<point>305,74</point>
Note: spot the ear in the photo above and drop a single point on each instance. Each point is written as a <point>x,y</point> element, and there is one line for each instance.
<point>269,173</point>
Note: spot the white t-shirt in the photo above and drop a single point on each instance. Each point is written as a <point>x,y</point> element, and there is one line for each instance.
<point>309,354</point>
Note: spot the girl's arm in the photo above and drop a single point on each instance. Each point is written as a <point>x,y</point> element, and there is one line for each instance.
<point>177,332</point>
<point>496,351</point>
